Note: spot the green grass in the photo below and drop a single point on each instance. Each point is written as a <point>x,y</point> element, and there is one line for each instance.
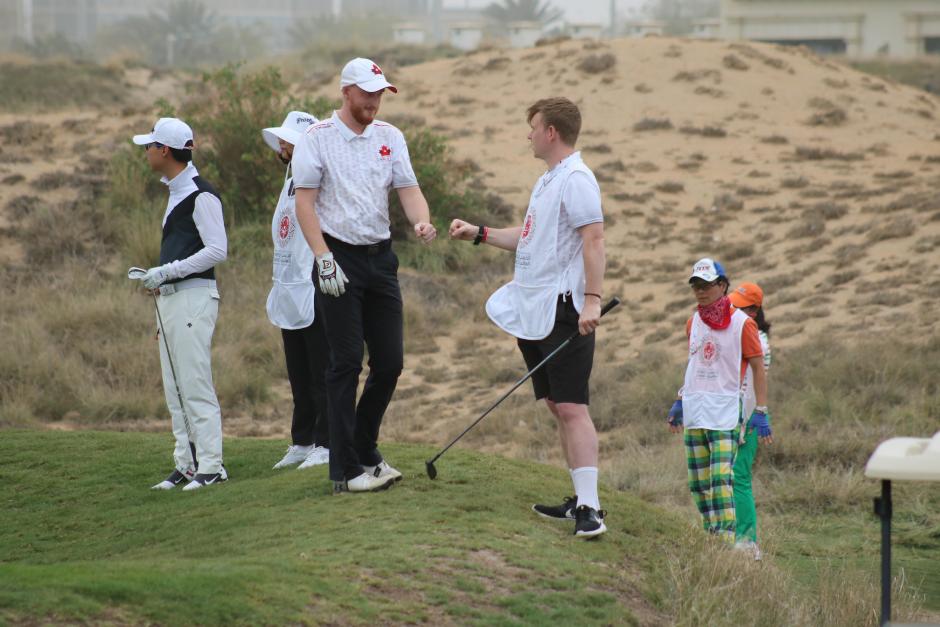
<point>82,538</point>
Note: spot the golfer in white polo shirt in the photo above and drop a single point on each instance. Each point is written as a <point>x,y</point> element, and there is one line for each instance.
<point>555,291</point>
<point>290,307</point>
<point>344,168</point>
<point>193,243</point>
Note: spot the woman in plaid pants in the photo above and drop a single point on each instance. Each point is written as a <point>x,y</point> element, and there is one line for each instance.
<point>723,341</point>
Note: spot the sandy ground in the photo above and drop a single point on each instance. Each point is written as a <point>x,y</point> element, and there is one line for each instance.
<point>817,181</point>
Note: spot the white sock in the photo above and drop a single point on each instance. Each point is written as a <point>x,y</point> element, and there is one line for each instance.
<point>585,486</point>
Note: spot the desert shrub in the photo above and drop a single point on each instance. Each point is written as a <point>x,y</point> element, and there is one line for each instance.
<point>241,166</point>
<point>446,184</point>
<point>652,124</point>
<point>597,63</point>
<point>808,153</point>
<point>897,228</point>
<point>704,131</point>
<point>52,85</point>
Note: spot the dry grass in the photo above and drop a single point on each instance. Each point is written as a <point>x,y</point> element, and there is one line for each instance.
<point>652,124</point>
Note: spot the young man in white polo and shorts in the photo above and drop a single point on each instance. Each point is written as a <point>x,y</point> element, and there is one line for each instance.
<point>344,168</point>
<point>193,243</point>
<point>290,308</point>
<point>555,291</point>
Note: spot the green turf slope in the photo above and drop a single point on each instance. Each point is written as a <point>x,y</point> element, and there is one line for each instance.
<point>82,538</point>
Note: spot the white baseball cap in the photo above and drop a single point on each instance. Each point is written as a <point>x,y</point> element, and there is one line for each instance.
<point>290,130</point>
<point>366,75</point>
<point>169,132</point>
<point>708,270</point>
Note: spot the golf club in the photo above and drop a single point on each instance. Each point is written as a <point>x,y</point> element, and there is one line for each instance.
<point>135,273</point>
<point>432,471</point>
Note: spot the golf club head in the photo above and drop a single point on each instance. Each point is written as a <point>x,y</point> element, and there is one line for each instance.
<point>134,273</point>
<point>432,471</point>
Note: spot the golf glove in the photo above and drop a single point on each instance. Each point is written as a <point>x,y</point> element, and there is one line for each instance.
<point>675,413</point>
<point>156,277</point>
<point>332,279</point>
<point>761,422</point>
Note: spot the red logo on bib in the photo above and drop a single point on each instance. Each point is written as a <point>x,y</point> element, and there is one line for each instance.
<point>709,351</point>
<point>385,151</point>
<point>527,228</point>
<point>284,229</point>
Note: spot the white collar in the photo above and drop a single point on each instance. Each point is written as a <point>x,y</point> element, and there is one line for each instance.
<point>347,133</point>
<point>565,163</point>
<point>185,176</point>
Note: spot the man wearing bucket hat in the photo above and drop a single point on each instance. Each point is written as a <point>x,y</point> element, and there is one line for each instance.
<point>343,170</point>
<point>723,342</point>
<point>193,243</point>
<point>749,298</point>
<point>290,307</point>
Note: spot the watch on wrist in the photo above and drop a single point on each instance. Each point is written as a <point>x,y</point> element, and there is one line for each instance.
<point>479,237</point>
<point>761,408</point>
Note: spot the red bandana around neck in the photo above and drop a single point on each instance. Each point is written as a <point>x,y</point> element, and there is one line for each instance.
<point>718,314</point>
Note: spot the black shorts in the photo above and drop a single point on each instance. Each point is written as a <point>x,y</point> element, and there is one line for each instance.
<point>564,379</point>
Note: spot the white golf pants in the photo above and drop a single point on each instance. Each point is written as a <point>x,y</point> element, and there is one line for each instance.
<point>189,320</point>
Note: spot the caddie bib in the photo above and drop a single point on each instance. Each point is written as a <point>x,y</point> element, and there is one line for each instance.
<point>711,395</point>
<point>750,396</point>
<point>290,302</point>
<point>525,307</point>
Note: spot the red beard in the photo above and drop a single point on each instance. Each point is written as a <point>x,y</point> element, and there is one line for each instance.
<point>717,315</point>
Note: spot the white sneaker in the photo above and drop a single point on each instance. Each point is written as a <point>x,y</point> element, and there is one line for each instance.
<point>201,480</point>
<point>318,456</point>
<point>383,470</point>
<point>295,454</point>
<point>176,478</point>
<point>749,546</point>
<point>363,483</point>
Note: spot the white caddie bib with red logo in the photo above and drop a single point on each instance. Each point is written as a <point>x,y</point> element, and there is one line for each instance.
<point>525,307</point>
<point>711,396</point>
<point>290,302</point>
<point>750,396</point>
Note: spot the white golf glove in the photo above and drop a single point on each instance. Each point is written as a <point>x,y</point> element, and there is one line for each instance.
<point>332,279</point>
<point>155,277</point>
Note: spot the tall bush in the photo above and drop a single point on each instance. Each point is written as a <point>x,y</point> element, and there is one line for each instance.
<point>227,111</point>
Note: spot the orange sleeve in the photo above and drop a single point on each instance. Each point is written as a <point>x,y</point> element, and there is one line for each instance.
<point>750,341</point>
<point>688,328</point>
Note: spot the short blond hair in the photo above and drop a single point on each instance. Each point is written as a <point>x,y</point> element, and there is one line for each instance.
<point>560,113</point>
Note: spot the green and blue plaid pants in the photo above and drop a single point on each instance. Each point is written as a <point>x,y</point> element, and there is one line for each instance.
<point>710,456</point>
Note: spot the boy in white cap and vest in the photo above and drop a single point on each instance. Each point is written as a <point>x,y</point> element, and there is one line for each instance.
<point>556,290</point>
<point>344,168</point>
<point>193,243</point>
<point>723,343</point>
<point>290,307</point>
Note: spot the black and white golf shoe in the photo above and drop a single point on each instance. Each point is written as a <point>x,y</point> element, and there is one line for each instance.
<point>565,511</point>
<point>176,478</point>
<point>202,480</point>
<point>589,522</point>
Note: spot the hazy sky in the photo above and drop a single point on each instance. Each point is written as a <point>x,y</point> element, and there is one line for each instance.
<point>575,10</point>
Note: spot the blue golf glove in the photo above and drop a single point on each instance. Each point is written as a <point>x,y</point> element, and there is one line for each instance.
<point>675,414</point>
<point>761,422</point>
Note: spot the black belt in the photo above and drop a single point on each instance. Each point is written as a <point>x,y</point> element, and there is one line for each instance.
<point>368,249</point>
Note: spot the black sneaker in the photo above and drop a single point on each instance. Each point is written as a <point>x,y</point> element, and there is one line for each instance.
<point>176,477</point>
<point>201,480</point>
<point>589,522</point>
<point>565,511</point>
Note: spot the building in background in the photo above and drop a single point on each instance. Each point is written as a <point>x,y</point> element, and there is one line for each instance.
<point>899,29</point>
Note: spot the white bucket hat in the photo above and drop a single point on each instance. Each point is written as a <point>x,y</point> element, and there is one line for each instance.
<point>290,130</point>
<point>169,132</point>
<point>366,75</point>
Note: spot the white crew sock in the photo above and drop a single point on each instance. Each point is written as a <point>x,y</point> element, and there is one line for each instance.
<point>585,486</point>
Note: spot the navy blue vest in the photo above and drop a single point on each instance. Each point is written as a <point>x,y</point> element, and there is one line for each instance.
<point>180,235</point>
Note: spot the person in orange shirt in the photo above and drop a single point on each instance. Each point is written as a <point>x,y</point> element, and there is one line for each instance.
<point>749,298</point>
<point>723,342</point>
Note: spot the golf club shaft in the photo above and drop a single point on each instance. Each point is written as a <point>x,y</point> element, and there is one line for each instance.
<point>610,305</point>
<point>176,383</point>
